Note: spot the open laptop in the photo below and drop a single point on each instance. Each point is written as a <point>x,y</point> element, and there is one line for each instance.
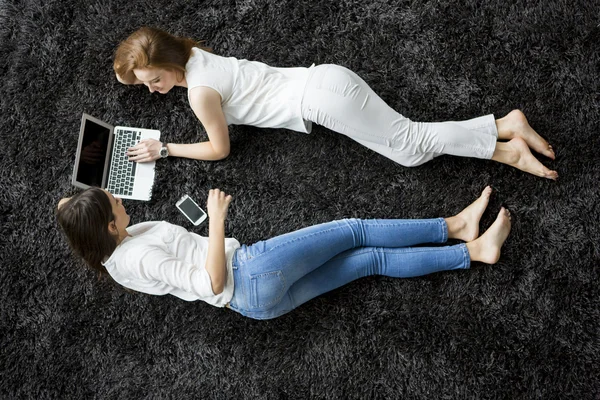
<point>101,161</point>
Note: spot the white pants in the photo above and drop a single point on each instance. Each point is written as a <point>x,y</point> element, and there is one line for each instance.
<point>340,100</point>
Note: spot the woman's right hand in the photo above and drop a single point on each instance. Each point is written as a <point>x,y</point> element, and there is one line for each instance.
<point>218,204</point>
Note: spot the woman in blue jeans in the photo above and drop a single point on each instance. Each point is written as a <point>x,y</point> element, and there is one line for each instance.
<point>271,277</point>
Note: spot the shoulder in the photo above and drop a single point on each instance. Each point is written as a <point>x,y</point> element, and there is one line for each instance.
<point>143,237</point>
<point>203,96</point>
<point>201,61</point>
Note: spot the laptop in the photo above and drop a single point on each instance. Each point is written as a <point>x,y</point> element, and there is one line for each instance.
<point>101,161</point>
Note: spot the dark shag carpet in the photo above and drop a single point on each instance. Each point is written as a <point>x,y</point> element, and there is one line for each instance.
<point>527,327</point>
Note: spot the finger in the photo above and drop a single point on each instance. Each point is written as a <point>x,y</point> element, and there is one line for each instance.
<point>143,158</point>
<point>135,150</point>
<point>138,157</point>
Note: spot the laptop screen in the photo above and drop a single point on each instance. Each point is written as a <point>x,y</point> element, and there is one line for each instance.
<point>92,157</point>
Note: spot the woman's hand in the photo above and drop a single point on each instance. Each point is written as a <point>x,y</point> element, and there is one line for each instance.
<point>218,204</point>
<point>145,151</point>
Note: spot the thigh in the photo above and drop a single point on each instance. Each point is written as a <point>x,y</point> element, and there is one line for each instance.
<point>297,253</point>
<point>340,100</point>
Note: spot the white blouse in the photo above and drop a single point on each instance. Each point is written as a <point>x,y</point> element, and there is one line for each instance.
<point>161,258</point>
<point>252,93</point>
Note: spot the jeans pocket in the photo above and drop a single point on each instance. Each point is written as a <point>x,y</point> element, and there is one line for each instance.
<point>266,289</point>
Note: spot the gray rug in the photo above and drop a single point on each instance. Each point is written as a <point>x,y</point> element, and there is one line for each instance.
<point>524,328</point>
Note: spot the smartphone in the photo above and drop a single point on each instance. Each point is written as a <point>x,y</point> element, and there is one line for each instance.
<point>191,210</point>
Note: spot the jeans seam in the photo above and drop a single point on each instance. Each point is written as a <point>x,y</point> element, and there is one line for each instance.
<point>394,250</point>
<point>413,222</point>
<point>281,292</point>
<point>466,256</point>
<point>444,228</point>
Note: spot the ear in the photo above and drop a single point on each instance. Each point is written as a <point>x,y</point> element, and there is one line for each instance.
<point>63,201</point>
<point>112,228</point>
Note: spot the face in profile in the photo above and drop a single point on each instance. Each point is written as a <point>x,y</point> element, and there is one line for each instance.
<point>157,79</point>
<point>121,218</point>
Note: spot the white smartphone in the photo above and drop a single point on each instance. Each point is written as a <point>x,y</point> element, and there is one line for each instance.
<point>191,210</point>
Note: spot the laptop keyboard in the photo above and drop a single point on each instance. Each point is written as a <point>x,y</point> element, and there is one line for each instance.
<point>122,171</point>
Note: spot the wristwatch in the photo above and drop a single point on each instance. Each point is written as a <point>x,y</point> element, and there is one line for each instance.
<point>164,152</point>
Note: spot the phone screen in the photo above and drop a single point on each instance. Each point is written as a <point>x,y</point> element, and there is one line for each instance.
<point>191,210</point>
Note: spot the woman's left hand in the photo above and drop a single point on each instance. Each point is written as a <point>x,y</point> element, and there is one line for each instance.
<point>217,204</point>
<point>145,151</point>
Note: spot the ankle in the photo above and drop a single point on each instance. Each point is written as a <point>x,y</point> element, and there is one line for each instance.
<point>455,226</point>
<point>504,126</point>
<point>473,248</point>
<point>505,154</point>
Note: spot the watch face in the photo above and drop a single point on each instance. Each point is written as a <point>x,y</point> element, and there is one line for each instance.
<point>164,152</point>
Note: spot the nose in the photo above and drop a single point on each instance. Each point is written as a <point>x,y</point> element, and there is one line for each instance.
<point>149,85</point>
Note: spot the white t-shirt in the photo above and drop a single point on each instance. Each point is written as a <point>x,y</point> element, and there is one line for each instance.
<point>252,93</point>
<point>161,258</point>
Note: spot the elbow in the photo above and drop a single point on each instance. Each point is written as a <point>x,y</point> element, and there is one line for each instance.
<point>218,288</point>
<point>222,154</point>
<point>217,284</point>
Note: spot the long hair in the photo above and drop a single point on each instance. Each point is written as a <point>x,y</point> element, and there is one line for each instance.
<point>153,48</point>
<point>84,219</point>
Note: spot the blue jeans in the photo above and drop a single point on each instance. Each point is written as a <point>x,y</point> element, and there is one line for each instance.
<point>274,276</point>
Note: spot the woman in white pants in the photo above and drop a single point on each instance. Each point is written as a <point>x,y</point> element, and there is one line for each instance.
<point>224,91</point>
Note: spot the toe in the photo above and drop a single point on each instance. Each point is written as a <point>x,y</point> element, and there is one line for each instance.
<point>549,152</point>
<point>551,175</point>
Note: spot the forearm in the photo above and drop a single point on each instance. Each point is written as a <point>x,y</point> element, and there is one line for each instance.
<point>196,151</point>
<point>216,262</point>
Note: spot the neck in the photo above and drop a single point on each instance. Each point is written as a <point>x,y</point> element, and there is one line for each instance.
<point>122,236</point>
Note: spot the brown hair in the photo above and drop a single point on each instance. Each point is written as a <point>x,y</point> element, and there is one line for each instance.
<point>84,219</point>
<point>153,48</point>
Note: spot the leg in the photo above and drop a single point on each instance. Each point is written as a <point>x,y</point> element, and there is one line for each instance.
<point>339,99</point>
<point>297,253</point>
<point>398,263</point>
<point>265,271</point>
<point>357,263</point>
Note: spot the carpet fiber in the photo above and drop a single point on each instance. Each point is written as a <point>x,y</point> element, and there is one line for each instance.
<point>527,327</point>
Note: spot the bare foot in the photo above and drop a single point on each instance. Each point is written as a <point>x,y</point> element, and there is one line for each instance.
<point>516,153</point>
<point>465,225</point>
<point>514,124</point>
<point>487,247</point>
